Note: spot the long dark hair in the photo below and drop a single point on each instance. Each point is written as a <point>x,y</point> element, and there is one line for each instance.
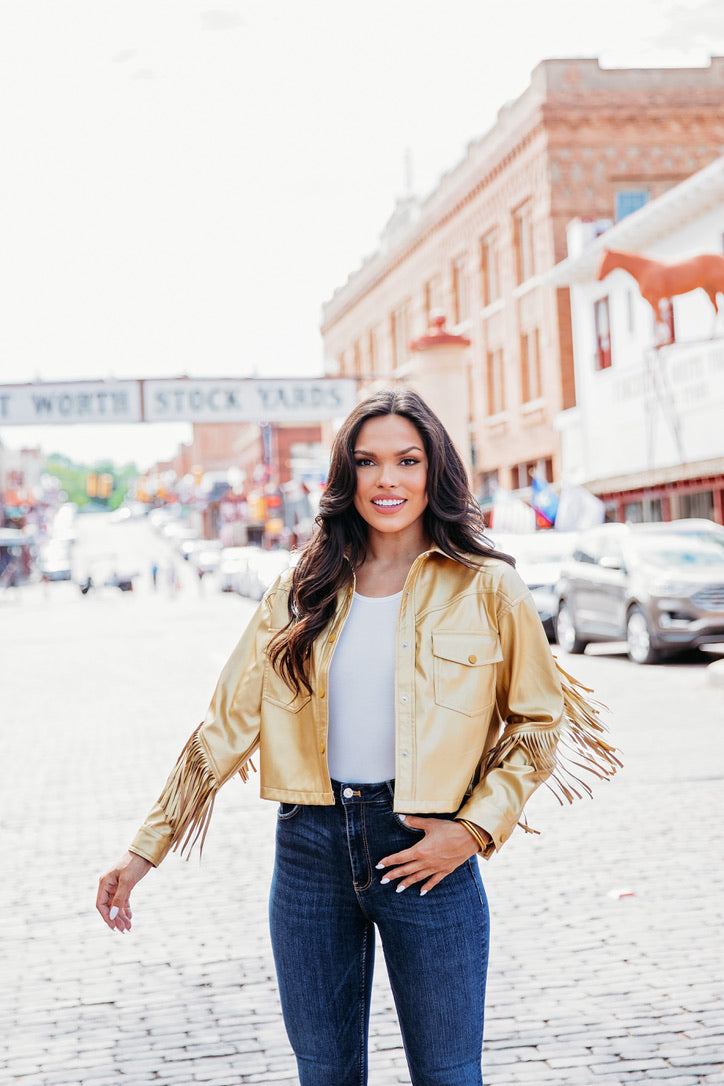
<point>452,520</point>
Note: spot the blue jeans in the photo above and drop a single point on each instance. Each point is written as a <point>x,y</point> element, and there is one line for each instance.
<point>326,899</point>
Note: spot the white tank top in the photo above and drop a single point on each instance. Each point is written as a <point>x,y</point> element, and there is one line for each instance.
<point>361,739</point>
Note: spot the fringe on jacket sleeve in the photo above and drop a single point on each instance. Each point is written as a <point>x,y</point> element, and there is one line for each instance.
<point>189,794</point>
<point>576,745</point>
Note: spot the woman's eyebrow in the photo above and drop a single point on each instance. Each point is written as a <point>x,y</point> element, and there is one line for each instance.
<point>402,452</point>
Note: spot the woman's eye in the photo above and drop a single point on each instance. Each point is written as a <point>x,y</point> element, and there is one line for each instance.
<point>363,462</point>
<point>408,460</point>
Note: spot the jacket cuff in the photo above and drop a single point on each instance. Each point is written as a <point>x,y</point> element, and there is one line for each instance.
<point>482,815</point>
<point>154,839</point>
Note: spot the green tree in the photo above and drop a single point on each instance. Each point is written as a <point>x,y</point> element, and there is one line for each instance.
<point>80,480</point>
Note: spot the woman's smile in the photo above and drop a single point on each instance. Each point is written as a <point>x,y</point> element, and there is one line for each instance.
<point>388,503</point>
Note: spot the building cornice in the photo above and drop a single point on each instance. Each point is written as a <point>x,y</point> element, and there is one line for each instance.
<point>703,469</point>
<point>451,197</point>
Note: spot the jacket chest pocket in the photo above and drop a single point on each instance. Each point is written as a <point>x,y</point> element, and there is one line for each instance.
<point>464,670</point>
<point>276,692</point>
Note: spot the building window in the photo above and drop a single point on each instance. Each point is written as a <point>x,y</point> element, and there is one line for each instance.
<point>496,382</point>
<point>629,200</point>
<point>665,326</point>
<point>433,296</point>
<point>488,485</point>
<point>541,469</point>
<point>643,512</point>
<point>460,290</point>
<point>524,473</point>
<point>698,504</point>
<point>530,370</point>
<point>523,240</point>
<point>630,312</point>
<point>399,328</point>
<point>372,354</point>
<point>602,327</point>
<point>490,268</point>
<point>357,358</point>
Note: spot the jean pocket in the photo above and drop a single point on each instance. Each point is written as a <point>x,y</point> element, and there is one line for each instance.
<point>402,823</point>
<point>287,811</point>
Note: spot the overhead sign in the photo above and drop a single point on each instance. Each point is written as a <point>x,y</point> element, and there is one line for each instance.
<point>176,400</point>
<point>43,404</point>
<point>246,400</point>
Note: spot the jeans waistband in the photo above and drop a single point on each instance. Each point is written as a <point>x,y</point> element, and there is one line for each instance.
<point>353,792</point>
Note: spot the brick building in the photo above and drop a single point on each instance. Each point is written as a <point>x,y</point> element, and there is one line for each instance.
<point>580,141</point>
<point>218,446</point>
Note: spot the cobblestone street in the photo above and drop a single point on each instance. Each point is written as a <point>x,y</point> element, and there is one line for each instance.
<point>606,963</point>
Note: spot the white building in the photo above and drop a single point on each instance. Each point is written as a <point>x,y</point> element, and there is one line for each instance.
<point>647,432</point>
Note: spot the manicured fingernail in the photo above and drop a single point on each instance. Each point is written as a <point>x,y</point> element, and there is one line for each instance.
<point>114,912</point>
<point>400,889</point>
<point>403,818</point>
<point>422,893</point>
<point>380,867</point>
<point>383,882</point>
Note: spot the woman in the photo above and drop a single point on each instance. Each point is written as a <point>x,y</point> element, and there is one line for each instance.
<point>405,704</point>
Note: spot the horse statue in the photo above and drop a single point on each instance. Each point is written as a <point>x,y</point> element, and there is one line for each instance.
<point>659,281</point>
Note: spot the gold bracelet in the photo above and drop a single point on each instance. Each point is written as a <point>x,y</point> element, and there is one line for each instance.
<point>475,833</point>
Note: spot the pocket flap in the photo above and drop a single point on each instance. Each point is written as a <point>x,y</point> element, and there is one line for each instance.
<point>470,649</point>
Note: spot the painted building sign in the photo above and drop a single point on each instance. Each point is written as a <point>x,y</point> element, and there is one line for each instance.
<point>176,400</point>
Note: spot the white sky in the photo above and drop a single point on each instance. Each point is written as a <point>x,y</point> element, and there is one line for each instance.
<point>184,182</point>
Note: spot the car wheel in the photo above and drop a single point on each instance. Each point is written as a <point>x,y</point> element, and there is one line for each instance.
<point>638,638</point>
<point>566,632</point>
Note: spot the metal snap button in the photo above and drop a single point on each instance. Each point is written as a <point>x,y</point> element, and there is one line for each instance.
<point>348,793</point>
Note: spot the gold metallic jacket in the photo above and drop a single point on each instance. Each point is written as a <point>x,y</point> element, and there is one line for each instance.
<point>482,711</point>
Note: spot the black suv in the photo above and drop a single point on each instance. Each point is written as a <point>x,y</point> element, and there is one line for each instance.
<point>659,591</point>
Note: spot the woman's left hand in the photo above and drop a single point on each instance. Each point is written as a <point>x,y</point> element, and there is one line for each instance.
<point>445,846</point>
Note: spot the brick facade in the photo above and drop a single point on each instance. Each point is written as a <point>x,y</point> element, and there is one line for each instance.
<point>217,446</point>
<point>478,245</point>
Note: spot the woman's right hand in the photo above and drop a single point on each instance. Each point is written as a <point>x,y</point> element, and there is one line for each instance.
<point>114,891</point>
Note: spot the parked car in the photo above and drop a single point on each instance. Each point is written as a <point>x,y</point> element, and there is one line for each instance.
<point>539,557</point>
<point>659,591</point>
<point>17,553</point>
<point>177,532</point>
<point>696,526</point>
<point>106,571</point>
<point>56,561</point>
<point>263,568</point>
<point>206,558</point>
<point>231,563</point>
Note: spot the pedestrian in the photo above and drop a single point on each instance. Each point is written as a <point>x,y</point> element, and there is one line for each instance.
<point>172,579</point>
<point>405,704</point>
<point>154,573</point>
